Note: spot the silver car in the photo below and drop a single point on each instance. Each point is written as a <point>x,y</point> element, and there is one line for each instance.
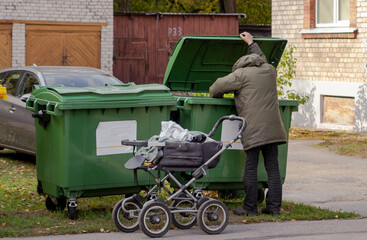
<point>17,130</point>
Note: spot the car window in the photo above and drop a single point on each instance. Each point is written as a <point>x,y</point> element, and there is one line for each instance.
<point>10,82</point>
<point>27,85</point>
<point>1,77</point>
<point>80,80</point>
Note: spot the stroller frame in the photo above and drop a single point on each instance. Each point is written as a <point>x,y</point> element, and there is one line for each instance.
<point>151,212</point>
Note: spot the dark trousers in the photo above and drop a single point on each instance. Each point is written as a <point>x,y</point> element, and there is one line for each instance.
<point>274,195</point>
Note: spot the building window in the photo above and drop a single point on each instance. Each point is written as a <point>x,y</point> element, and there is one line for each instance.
<point>330,13</point>
<point>330,19</point>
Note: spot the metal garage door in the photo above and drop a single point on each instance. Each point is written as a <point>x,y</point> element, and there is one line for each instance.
<point>63,45</point>
<point>5,45</point>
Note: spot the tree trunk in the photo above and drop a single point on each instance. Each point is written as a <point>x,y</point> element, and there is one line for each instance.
<point>227,6</point>
<point>123,5</point>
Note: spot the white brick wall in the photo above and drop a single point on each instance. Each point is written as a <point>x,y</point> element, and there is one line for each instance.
<point>57,10</point>
<point>18,48</point>
<point>84,11</point>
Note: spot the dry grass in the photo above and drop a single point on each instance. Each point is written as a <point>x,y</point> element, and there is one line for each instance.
<point>344,143</point>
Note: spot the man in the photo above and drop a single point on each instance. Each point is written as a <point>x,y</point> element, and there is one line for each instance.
<point>253,82</point>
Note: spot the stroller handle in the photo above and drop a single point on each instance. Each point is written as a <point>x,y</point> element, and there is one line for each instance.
<point>231,118</point>
<point>134,143</point>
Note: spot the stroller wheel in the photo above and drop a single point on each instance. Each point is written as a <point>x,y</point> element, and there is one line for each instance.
<point>126,221</point>
<point>155,219</point>
<point>213,216</point>
<point>184,220</point>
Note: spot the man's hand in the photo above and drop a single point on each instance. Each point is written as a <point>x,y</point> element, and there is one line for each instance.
<point>247,37</point>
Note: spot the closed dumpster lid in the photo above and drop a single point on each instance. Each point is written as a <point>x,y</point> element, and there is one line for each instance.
<point>61,98</point>
<point>198,61</point>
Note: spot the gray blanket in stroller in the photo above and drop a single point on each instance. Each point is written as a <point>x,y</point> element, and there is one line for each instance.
<point>153,154</point>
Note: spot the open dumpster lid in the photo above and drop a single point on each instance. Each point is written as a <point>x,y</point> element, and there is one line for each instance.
<point>198,61</point>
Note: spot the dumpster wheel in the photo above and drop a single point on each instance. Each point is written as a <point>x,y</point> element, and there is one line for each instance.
<point>72,208</point>
<point>55,204</point>
<point>229,194</point>
<point>260,195</point>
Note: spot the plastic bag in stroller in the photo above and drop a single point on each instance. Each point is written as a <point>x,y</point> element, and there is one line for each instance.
<point>184,207</point>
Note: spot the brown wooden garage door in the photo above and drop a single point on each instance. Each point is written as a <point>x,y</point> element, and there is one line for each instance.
<point>143,43</point>
<point>5,45</point>
<point>63,45</point>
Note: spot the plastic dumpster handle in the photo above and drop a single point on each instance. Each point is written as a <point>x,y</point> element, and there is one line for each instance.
<point>231,118</point>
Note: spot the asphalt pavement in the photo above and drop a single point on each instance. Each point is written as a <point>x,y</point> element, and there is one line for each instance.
<point>310,230</point>
<point>315,176</point>
<point>320,177</point>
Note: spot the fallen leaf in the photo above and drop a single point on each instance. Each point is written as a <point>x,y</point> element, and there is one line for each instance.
<point>245,221</point>
<point>3,224</point>
<point>72,223</point>
<point>83,231</point>
<point>101,230</point>
<point>293,220</point>
<point>290,207</point>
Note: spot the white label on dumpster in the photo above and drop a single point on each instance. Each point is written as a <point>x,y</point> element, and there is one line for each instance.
<point>229,131</point>
<point>110,134</point>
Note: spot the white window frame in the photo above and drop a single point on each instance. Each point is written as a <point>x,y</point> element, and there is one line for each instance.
<point>336,22</point>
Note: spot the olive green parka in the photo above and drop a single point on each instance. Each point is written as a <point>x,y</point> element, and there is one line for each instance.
<point>253,82</point>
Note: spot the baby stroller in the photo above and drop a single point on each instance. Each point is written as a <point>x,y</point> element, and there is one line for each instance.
<point>185,206</point>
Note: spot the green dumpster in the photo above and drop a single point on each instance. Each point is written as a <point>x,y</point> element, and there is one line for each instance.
<point>196,63</point>
<point>79,133</point>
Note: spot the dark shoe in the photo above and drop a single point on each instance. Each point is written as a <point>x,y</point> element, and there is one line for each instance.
<point>241,211</point>
<point>272,213</point>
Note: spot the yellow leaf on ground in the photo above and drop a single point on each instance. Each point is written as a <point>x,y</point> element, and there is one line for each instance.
<point>245,221</point>
<point>293,220</point>
<point>3,224</point>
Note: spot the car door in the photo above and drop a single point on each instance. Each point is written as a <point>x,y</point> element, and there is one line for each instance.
<point>3,111</point>
<point>20,133</point>
<point>23,124</point>
<point>10,81</point>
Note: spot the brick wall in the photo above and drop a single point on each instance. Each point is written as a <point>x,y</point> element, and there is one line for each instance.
<point>328,64</point>
<point>73,11</point>
<point>18,49</point>
<point>324,57</point>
